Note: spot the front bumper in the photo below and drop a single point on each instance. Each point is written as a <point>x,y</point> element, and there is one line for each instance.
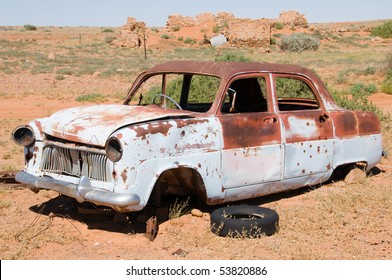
<point>83,191</point>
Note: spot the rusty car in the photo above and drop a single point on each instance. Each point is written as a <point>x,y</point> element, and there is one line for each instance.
<point>221,131</point>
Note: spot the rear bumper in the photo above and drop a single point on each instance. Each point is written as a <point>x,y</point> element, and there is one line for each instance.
<point>83,191</point>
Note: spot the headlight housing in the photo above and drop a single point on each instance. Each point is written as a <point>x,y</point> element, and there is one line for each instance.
<point>113,149</point>
<point>23,135</point>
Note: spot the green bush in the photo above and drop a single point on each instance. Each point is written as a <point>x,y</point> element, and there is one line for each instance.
<point>215,29</point>
<point>383,31</point>
<point>386,86</point>
<point>176,28</point>
<point>189,40</point>
<point>278,25</point>
<point>107,30</point>
<point>91,97</point>
<point>165,36</point>
<point>30,27</point>
<point>232,57</point>
<point>298,42</point>
<point>109,39</point>
<point>363,90</point>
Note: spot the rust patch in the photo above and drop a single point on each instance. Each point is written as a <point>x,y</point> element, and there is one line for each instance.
<point>38,124</point>
<point>345,123</point>
<point>155,128</point>
<point>124,175</point>
<point>368,123</point>
<point>249,130</point>
<point>186,122</point>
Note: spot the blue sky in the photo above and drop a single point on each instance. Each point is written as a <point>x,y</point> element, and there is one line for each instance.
<point>155,12</point>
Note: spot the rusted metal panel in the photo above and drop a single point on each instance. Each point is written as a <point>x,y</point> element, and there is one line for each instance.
<point>301,126</point>
<point>250,130</point>
<point>345,124</point>
<point>368,123</point>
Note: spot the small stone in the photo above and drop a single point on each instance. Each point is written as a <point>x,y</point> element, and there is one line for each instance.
<point>197,213</point>
<point>180,253</point>
<point>356,176</point>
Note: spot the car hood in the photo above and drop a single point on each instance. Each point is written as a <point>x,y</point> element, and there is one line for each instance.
<point>94,124</point>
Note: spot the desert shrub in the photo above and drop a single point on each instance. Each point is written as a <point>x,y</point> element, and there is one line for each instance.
<point>383,31</point>
<point>165,36</point>
<point>176,28</point>
<point>388,60</point>
<point>386,86</point>
<point>109,39</point>
<point>91,97</point>
<point>360,89</point>
<point>278,25</point>
<point>107,30</point>
<point>65,71</point>
<point>179,208</point>
<point>232,57</point>
<point>189,40</point>
<point>30,27</point>
<point>368,71</point>
<point>181,38</point>
<point>298,42</point>
<point>155,29</point>
<point>215,29</point>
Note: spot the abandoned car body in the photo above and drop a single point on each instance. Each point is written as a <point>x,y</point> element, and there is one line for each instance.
<point>223,131</point>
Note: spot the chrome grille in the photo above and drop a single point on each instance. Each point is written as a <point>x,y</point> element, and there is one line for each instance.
<point>76,162</point>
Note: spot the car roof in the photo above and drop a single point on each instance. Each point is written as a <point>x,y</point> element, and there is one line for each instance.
<point>227,69</point>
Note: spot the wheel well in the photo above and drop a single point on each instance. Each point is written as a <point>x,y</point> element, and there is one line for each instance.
<point>181,181</point>
<point>341,171</point>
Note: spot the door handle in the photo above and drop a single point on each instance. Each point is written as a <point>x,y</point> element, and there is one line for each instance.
<point>323,118</point>
<point>270,120</point>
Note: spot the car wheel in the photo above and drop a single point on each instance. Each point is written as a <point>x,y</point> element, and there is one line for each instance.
<point>244,221</point>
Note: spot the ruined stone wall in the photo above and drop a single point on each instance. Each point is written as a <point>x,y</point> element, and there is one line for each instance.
<point>293,18</point>
<point>249,33</point>
<point>131,34</point>
<point>238,32</point>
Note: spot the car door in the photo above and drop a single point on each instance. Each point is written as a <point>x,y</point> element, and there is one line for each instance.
<point>251,151</point>
<point>306,128</point>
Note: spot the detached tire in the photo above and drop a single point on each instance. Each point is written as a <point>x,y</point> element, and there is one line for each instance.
<point>244,221</point>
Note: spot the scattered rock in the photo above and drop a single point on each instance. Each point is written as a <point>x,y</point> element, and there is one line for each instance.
<point>197,213</point>
<point>52,56</point>
<point>355,176</point>
<point>180,253</point>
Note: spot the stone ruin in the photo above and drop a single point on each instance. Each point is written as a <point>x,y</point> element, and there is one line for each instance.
<point>131,35</point>
<point>293,19</point>
<point>239,32</point>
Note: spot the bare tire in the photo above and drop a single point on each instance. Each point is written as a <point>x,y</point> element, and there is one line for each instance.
<point>244,221</point>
